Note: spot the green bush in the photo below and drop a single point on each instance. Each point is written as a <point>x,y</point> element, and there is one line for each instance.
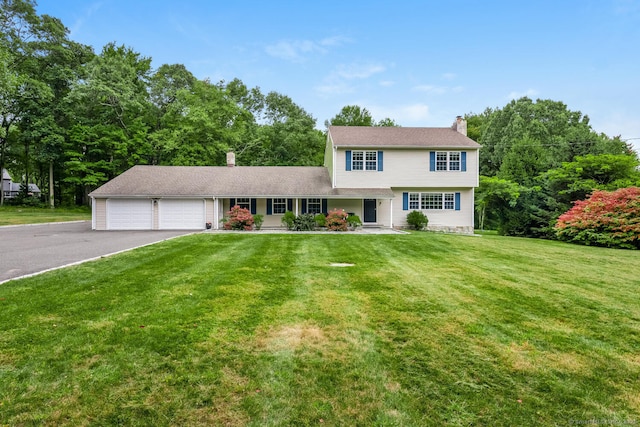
<point>304,222</point>
<point>353,221</point>
<point>258,220</point>
<point>321,220</point>
<point>288,220</point>
<point>417,220</point>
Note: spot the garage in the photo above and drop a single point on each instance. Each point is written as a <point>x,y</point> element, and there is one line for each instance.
<point>181,214</point>
<point>129,214</point>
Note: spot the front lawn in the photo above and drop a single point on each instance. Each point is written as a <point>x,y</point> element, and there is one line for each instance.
<point>249,329</point>
<point>14,215</point>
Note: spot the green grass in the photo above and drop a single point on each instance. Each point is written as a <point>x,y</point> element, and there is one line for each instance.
<point>247,329</point>
<point>15,215</point>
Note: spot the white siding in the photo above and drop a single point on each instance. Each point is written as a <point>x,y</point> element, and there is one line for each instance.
<point>406,168</point>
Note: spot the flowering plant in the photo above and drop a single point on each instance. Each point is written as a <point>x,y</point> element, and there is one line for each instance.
<point>238,219</point>
<point>607,218</point>
<point>337,220</point>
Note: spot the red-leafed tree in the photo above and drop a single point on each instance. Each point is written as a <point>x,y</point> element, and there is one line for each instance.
<point>607,218</point>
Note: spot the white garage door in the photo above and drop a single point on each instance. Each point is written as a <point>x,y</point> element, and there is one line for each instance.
<point>129,214</point>
<point>181,214</point>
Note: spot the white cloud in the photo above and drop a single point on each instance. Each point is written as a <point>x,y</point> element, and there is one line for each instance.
<point>387,83</point>
<point>341,79</point>
<point>448,76</point>
<point>298,50</point>
<point>358,70</point>
<point>79,23</point>
<point>529,93</point>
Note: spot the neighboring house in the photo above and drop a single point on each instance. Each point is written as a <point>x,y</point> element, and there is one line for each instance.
<point>377,173</point>
<point>12,189</point>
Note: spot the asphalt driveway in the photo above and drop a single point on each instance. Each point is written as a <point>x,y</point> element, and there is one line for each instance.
<point>30,249</point>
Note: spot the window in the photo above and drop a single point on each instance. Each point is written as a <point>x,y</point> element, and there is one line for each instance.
<point>314,206</point>
<point>279,206</point>
<point>244,202</point>
<point>414,200</point>
<point>364,160</point>
<point>448,161</point>
<point>441,161</point>
<point>432,201</point>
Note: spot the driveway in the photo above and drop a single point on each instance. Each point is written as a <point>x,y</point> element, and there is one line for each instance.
<point>33,248</point>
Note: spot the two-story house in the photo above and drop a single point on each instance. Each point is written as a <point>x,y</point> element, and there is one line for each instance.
<point>378,173</point>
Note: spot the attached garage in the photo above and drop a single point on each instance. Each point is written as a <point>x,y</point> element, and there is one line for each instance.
<point>129,214</point>
<point>181,214</point>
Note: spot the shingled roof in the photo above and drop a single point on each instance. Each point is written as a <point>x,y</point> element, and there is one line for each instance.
<point>361,136</point>
<point>221,181</point>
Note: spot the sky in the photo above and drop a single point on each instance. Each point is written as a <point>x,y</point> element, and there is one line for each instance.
<point>420,63</point>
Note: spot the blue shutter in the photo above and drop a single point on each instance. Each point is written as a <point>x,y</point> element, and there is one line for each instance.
<point>253,206</point>
<point>304,205</point>
<point>405,201</point>
<point>432,161</point>
<point>463,161</point>
<point>379,161</point>
<point>269,206</point>
<point>324,206</point>
<point>457,201</point>
<point>232,203</point>
<point>290,205</point>
<point>348,160</point>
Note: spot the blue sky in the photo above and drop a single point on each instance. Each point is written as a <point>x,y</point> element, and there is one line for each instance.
<point>420,63</point>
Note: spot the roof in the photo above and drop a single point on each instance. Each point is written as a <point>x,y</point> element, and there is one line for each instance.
<point>222,181</point>
<point>410,137</point>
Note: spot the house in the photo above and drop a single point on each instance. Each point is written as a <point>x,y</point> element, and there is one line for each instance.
<point>12,189</point>
<point>378,173</point>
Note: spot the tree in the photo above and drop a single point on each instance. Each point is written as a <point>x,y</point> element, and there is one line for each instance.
<point>494,193</point>
<point>111,110</point>
<point>606,218</point>
<point>351,115</point>
<point>576,180</point>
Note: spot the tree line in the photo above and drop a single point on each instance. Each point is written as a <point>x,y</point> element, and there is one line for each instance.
<point>71,119</point>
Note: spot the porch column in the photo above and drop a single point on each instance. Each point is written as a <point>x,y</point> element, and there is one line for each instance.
<point>391,213</point>
<point>216,214</point>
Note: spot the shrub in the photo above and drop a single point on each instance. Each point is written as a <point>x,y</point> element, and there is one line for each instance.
<point>607,218</point>
<point>238,219</point>
<point>304,222</point>
<point>287,220</point>
<point>417,220</point>
<point>337,220</point>
<point>321,220</point>
<point>353,221</point>
<point>258,220</point>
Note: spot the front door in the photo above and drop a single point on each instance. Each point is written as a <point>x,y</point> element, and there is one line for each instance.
<point>370,210</point>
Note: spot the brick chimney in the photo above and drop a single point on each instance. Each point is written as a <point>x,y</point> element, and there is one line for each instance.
<point>460,125</point>
<point>231,159</point>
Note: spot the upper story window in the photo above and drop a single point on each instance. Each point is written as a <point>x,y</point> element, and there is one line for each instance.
<point>362,160</point>
<point>448,161</point>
